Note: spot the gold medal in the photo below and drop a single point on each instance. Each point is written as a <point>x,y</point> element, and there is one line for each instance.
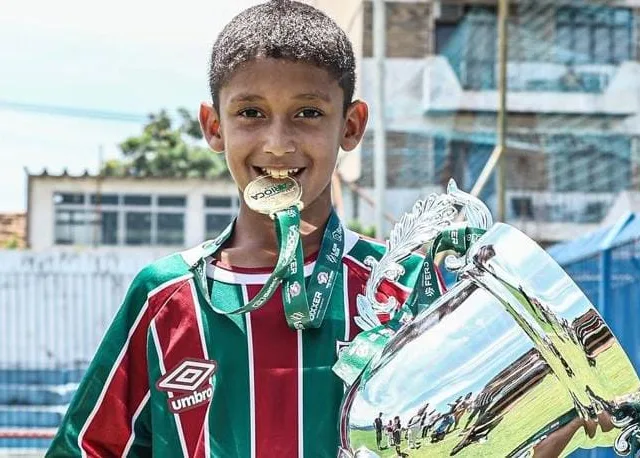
<point>268,195</point>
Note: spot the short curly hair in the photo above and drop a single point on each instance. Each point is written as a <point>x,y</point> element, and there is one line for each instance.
<point>283,29</point>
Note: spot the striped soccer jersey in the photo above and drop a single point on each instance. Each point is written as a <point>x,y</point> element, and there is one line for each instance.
<point>173,378</point>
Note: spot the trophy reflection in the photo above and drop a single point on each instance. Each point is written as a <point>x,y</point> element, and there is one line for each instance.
<point>512,361</point>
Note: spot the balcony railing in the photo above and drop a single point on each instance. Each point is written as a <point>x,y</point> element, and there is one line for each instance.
<point>534,76</point>
<point>534,87</point>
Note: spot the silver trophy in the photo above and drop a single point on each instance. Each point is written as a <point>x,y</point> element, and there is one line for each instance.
<point>500,365</point>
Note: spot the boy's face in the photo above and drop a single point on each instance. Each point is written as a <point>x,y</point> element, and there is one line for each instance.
<point>280,117</point>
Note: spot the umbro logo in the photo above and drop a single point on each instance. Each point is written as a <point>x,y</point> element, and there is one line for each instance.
<point>191,376</point>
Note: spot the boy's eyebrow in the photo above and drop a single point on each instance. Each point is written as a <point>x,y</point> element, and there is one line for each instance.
<point>247,97</point>
<point>244,97</point>
<point>313,96</point>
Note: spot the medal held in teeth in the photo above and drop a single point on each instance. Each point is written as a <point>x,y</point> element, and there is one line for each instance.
<point>268,194</point>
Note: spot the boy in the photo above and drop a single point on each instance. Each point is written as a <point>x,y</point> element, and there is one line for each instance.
<point>180,372</point>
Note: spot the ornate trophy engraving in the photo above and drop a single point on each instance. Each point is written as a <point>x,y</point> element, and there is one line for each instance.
<point>427,219</point>
<point>512,356</point>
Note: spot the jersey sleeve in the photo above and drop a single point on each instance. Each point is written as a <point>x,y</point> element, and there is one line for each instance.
<point>108,415</point>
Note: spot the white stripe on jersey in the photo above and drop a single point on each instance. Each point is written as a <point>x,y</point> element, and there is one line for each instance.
<point>300,398</point>
<point>205,353</point>
<point>163,370</point>
<point>252,393</point>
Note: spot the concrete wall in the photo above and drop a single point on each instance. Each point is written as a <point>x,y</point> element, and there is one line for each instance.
<point>409,29</point>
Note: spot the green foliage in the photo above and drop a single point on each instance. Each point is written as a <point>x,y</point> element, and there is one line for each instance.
<point>12,243</point>
<point>162,150</point>
<point>357,226</point>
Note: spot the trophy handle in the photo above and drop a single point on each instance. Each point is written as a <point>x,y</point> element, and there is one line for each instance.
<point>426,220</point>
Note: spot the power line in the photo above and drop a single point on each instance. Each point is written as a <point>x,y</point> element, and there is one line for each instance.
<point>73,112</point>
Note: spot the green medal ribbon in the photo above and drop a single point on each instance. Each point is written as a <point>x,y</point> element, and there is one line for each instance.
<point>426,290</point>
<point>289,271</point>
<point>356,357</point>
<point>299,313</point>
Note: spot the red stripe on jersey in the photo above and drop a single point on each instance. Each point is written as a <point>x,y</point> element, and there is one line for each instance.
<point>109,429</point>
<point>356,283</point>
<point>275,372</point>
<point>179,338</point>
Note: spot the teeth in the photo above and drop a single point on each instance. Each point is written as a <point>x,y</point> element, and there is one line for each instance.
<point>279,173</point>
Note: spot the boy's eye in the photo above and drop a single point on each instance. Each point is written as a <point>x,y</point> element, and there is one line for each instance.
<point>309,113</point>
<point>251,113</point>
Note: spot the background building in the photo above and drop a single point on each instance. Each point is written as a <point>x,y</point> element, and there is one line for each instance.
<point>89,211</point>
<point>573,107</point>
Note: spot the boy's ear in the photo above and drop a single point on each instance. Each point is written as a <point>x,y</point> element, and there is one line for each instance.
<point>210,126</point>
<point>355,125</point>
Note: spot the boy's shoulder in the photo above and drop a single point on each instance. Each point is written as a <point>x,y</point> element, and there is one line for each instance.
<point>168,270</point>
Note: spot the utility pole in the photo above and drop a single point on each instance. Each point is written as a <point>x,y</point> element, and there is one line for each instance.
<point>503,13</point>
<point>379,140</point>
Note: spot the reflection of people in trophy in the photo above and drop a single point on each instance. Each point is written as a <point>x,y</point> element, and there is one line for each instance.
<point>427,422</point>
<point>389,431</point>
<point>413,429</point>
<point>460,409</point>
<point>457,409</point>
<point>397,434</point>
<point>377,424</point>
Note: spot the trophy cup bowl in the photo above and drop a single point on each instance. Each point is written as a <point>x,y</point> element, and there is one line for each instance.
<point>509,355</point>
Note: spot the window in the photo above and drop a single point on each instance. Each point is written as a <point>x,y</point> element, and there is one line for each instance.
<point>109,227</point>
<point>104,199</point>
<point>216,202</point>
<point>522,207</point>
<point>172,201</point>
<point>170,229</point>
<point>465,161</point>
<point>68,198</point>
<point>74,227</point>
<point>594,35</point>
<point>135,199</point>
<point>138,228</point>
<point>114,219</point>
<point>470,47</point>
<point>590,163</point>
<point>219,212</point>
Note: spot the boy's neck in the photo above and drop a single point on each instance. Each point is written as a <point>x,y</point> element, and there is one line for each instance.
<point>254,242</point>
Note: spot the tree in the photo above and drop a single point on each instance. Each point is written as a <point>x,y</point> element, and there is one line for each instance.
<point>165,151</point>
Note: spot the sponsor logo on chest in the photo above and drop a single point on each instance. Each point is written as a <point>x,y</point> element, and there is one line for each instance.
<point>190,384</point>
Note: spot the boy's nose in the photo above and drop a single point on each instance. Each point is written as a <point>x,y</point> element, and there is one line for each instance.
<point>280,139</point>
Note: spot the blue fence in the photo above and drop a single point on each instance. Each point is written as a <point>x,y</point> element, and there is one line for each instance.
<point>54,309</point>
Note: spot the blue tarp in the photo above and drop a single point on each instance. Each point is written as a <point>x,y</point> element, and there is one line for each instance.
<point>626,230</point>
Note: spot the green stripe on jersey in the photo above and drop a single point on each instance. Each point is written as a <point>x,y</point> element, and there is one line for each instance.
<point>322,389</point>
<point>226,340</point>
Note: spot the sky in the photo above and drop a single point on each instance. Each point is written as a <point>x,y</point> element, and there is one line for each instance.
<point>125,56</point>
